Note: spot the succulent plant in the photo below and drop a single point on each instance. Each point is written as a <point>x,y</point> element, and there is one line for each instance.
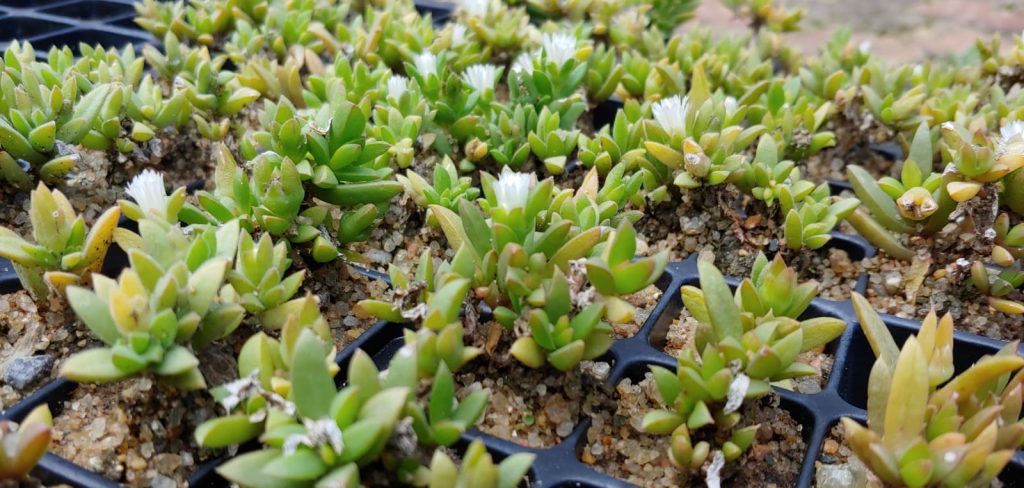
<point>771,294</point>
<point>810,211</point>
<point>212,91</point>
<point>550,142</point>
<point>507,136</point>
<point>603,74</point>
<point>927,427</point>
<point>259,277</point>
<point>344,168</point>
<point>552,75</point>
<point>742,344</point>
<point>524,273</point>
<point>21,446</point>
<point>326,435</point>
<point>976,162</point>
<point>557,339</point>
<point>437,298</point>
<point>259,398</point>
<point>65,252</point>
<point>45,111</point>
<point>446,418</point>
<point>447,188</point>
<point>171,296</point>
<point>477,469</point>
<point>329,432</point>
<point>917,202</point>
<point>500,27</point>
<point>621,142</point>
<point>1006,277</point>
<point>675,156</point>
<point>765,14</point>
<point>269,199</point>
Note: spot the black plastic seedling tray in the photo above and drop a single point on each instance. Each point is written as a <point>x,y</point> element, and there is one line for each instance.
<point>48,23</point>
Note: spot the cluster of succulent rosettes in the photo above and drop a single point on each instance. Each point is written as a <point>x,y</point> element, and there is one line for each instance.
<point>546,263</point>
<point>261,395</point>
<point>927,427</point>
<point>811,212</point>
<point>742,345</point>
<point>103,101</point>
<point>1000,276</point>
<point>215,93</point>
<point>45,112</point>
<point>22,445</point>
<point>149,316</point>
<point>917,202</point>
<point>433,299</point>
<point>676,155</point>
<point>765,14</point>
<point>761,321</point>
<point>314,434</point>
<point>620,142</point>
<point>184,288</point>
<point>248,28</point>
<point>477,469</point>
<point>65,252</point>
<point>329,149</point>
<point>446,189</point>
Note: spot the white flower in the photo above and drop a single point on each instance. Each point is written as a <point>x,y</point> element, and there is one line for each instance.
<point>458,34</point>
<point>864,47</point>
<point>481,76</point>
<point>512,189</point>
<point>323,432</point>
<point>425,63</point>
<point>559,48</point>
<point>475,8</point>
<point>523,63</point>
<point>670,114</point>
<point>730,105</point>
<point>1011,139</point>
<point>397,86</point>
<point>147,189</point>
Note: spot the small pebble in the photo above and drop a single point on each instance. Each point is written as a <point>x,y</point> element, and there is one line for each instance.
<point>24,371</point>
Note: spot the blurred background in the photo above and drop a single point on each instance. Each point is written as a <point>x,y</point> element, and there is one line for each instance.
<point>899,30</point>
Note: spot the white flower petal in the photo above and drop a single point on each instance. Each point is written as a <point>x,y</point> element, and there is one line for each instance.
<point>475,8</point>
<point>458,34</point>
<point>147,189</point>
<point>397,86</point>
<point>559,48</point>
<point>512,189</point>
<point>481,77</point>
<point>1011,140</point>
<point>524,63</point>
<point>731,105</point>
<point>670,114</point>
<point>425,63</point>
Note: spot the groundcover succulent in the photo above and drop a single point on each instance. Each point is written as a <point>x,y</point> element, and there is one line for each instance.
<point>743,344</point>
<point>22,445</point>
<point>927,427</point>
<point>65,252</point>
